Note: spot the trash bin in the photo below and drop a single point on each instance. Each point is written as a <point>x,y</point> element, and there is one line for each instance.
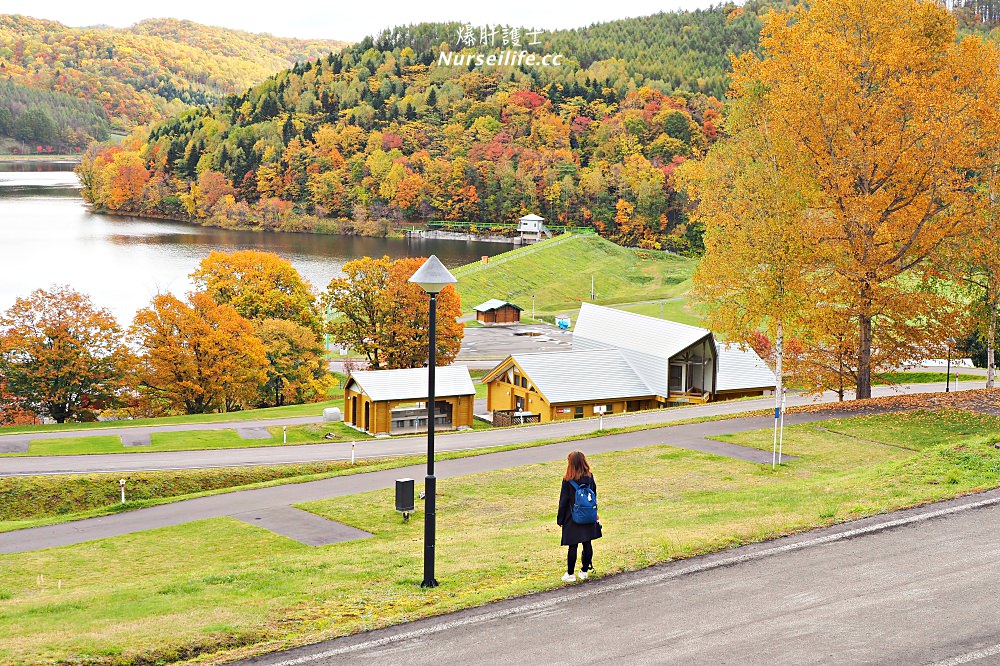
<point>404,497</point>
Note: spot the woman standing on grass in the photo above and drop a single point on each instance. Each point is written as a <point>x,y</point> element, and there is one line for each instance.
<point>578,477</point>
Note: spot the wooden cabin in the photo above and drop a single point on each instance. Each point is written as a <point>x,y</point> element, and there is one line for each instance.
<point>495,311</point>
<point>394,402</point>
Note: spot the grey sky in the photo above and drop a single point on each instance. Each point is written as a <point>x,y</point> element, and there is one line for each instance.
<point>342,20</point>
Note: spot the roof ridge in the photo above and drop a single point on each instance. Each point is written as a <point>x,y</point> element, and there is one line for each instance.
<point>636,314</point>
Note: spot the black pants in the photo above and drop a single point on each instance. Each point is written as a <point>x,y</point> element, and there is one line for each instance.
<point>588,558</point>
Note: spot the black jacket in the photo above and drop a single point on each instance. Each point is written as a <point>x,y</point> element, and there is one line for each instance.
<point>572,532</point>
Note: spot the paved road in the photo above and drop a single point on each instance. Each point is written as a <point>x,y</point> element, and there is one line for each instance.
<point>917,587</point>
<point>275,455</point>
<point>239,504</point>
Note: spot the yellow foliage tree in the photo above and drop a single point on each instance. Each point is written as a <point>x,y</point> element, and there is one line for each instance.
<point>198,356</point>
<point>260,285</point>
<point>886,112</point>
<point>383,316</point>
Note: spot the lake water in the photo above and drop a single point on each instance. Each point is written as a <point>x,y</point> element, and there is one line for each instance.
<point>48,236</point>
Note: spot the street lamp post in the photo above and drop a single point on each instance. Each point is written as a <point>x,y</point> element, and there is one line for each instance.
<point>432,277</point>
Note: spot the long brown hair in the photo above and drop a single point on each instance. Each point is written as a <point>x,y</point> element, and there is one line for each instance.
<point>577,466</point>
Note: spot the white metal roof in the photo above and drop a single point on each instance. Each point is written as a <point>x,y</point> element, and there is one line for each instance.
<point>411,383</point>
<point>533,218</point>
<point>493,304</point>
<point>636,332</point>
<point>742,369</point>
<point>579,375</point>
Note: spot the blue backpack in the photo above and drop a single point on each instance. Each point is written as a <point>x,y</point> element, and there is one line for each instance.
<point>584,504</point>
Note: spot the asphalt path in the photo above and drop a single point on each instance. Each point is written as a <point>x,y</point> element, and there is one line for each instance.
<point>278,498</point>
<point>913,587</point>
<point>396,446</point>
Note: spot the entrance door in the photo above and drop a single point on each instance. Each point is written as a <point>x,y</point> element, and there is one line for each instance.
<point>368,417</point>
<point>519,403</point>
<point>354,410</point>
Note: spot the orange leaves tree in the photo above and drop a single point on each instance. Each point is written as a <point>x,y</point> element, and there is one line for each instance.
<point>62,357</point>
<point>259,285</point>
<point>383,316</point>
<point>198,356</point>
<point>268,291</point>
<point>885,114</point>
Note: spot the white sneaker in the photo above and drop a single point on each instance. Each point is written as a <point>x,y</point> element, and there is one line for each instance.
<point>583,575</point>
<point>569,578</point>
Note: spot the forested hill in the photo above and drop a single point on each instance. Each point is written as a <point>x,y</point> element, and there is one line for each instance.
<point>382,131</point>
<point>145,72</point>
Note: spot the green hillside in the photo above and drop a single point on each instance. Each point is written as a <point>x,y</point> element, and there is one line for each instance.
<point>558,273</point>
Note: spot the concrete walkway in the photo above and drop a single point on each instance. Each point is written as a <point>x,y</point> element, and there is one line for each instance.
<point>397,446</point>
<point>238,504</point>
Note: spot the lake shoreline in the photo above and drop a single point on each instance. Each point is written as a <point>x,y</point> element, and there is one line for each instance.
<point>63,159</point>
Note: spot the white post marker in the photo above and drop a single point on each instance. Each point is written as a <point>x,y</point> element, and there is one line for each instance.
<point>284,434</point>
<point>352,453</point>
<point>121,482</point>
<point>774,446</point>
<point>781,428</point>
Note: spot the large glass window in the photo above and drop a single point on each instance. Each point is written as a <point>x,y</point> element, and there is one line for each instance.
<point>676,383</point>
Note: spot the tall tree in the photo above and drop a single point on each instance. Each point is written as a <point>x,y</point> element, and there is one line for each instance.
<point>62,357</point>
<point>297,367</point>
<point>383,316</point>
<point>889,111</point>
<point>756,225</point>
<point>198,356</point>
<point>259,285</point>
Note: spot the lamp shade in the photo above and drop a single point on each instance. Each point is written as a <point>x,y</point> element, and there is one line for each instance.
<point>433,276</point>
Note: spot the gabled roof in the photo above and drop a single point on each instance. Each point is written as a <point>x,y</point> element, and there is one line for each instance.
<point>532,217</point>
<point>571,376</point>
<point>411,383</point>
<point>494,304</point>
<point>634,332</point>
<point>741,369</point>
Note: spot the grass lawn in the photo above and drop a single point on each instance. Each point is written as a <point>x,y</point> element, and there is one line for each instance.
<point>559,276</point>
<point>481,389</point>
<point>238,586</point>
<point>290,411</point>
<point>679,309</point>
<point>916,377</point>
<point>188,440</point>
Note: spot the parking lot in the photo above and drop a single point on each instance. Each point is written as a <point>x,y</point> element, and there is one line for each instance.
<point>486,346</point>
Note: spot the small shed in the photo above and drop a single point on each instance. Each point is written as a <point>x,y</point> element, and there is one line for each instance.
<point>532,228</point>
<point>394,402</point>
<point>495,311</point>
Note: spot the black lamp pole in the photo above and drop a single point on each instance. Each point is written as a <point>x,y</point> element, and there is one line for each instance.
<point>947,377</point>
<point>432,277</point>
<point>430,482</point>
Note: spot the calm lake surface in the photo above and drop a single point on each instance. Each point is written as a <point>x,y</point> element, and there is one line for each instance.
<point>48,236</point>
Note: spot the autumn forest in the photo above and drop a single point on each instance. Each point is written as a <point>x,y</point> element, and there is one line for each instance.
<point>833,164</point>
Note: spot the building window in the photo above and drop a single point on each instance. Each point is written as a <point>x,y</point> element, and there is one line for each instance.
<point>608,409</point>
<point>524,382</point>
<point>578,413</point>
